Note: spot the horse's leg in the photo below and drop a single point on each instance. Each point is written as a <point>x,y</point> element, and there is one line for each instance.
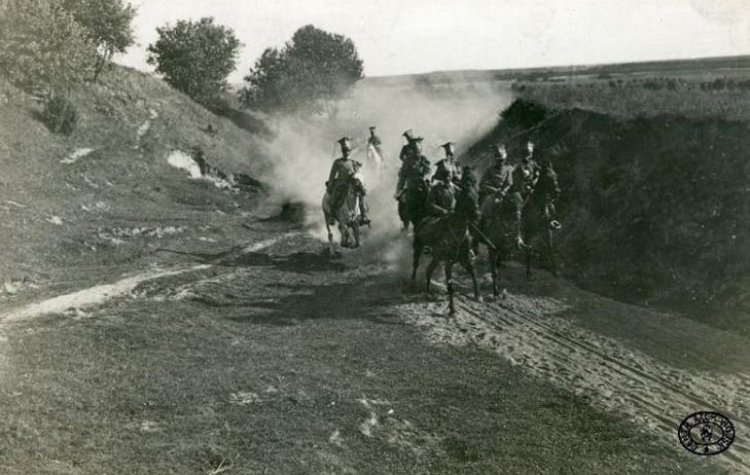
<point>449,282</point>
<point>418,245</point>
<point>470,269</point>
<point>355,231</point>
<point>503,254</point>
<point>344,235</point>
<point>428,274</point>
<point>528,263</point>
<point>493,269</point>
<point>551,253</point>
<point>330,238</point>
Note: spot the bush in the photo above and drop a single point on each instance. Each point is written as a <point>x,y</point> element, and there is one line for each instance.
<point>60,115</point>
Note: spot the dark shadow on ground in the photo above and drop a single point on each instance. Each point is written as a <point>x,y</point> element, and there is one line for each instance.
<point>299,262</point>
<point>243,120</point>
<point>203,257</point>
<point>339,301</point>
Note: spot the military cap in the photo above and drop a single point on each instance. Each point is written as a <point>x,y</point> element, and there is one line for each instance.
<point>449,146</point>
<point>409,134</point>
<point>372,127</point>
<point>345,143</point>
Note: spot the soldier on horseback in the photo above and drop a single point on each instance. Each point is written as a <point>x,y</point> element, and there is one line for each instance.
<point>449,164</point>
<point>525,177</point>
<point>340,178</point>
<point>375,142</point>
<point>547,190</point>
<point>414,166</point>
<point>441,199</point>
<point>496,181</point>
<point>534,199</point>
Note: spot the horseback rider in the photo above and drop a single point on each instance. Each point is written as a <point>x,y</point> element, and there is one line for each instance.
<point>526,173</point>
<point>525,177</point>
<point>496,181</point>
<point>374,141</point>
<point>467,206</point>
<point>449,164</point>
<point>440,204</point>
<point>414,166</point>
<point>548,189</point>
<point>340,178</point>
<point>441,200</point>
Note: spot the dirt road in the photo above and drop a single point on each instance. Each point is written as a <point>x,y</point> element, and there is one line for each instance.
<point>274,358</point>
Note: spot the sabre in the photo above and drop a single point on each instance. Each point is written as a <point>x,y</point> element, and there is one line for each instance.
<point>485,238</point>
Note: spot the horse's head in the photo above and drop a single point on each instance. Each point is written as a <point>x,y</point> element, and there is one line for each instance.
<point>468,179</point>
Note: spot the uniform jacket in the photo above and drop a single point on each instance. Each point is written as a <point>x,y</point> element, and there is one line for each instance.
<point>342,170</point>
<point>451,167</point>
<point>525,176</point>
<point>497,178</point>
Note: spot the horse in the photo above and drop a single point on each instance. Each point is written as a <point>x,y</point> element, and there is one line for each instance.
<point>411,203</point>
<point>538,227</point>
<point>347,215</point>
<point>498,230</point>
<point>450,243</point>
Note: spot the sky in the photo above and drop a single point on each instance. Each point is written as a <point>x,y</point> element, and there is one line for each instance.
<point>418,36</point>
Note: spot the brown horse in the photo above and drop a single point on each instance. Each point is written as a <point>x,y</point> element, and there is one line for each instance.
<point>499,232</point>
<point>411,203</point>
<point>450,243</point>
<point>538,227</point>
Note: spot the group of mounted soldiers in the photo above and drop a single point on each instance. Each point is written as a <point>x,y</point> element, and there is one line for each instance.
<point>501,184</point>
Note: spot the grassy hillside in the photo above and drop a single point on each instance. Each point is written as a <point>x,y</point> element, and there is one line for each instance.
<point>107,192</point>
<point>655,210</point>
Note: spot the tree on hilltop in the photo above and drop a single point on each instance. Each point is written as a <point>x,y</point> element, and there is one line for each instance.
<point>196,58</point>
<point>307,74</point>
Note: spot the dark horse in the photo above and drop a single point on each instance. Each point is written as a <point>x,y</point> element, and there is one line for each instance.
<point>411,203</point>
<point>450,242</point>
<point>499,232</point>
<point>539,223</point>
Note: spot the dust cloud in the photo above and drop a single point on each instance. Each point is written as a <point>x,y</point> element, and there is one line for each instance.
<point>303,150</point>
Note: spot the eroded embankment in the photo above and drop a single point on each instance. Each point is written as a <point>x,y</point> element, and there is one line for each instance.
<point>654,209</point>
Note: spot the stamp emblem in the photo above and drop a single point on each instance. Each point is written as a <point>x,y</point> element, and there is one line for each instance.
<point>706,433</point>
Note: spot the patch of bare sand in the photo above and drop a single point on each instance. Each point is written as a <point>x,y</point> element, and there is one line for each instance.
<point>100,294</point>
<point>526,331</point>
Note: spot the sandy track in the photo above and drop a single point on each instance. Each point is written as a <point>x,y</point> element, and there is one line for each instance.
<point>100,294</point>
<point>525,331</point>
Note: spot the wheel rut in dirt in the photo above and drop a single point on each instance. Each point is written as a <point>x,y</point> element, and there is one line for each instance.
<point>525,330</point>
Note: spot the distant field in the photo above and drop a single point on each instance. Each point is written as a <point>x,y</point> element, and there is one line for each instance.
<point>714,87</point>
<point>695,94</point>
